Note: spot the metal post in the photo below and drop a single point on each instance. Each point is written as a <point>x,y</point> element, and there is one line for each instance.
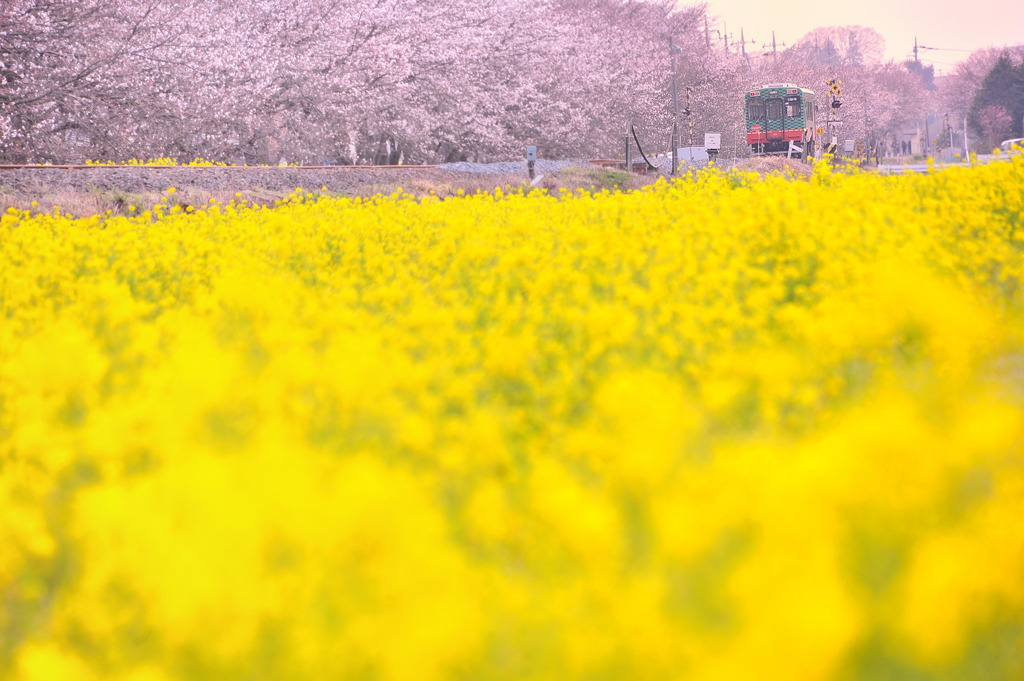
<point>675,148</point>
<point>967,148</point>
<point>826,147</point>
<point>927,133</point>
<point>689,114</point>
<point>629,146</point>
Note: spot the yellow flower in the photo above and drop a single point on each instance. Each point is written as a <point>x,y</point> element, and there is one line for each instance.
<point>698,431</point>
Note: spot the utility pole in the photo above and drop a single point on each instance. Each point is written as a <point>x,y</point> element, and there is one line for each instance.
<point>725,35</point>
<point>915,51</point>
<point>743,46</point>
<point>707,32</point>
<point>775,51</point>
<point>870,143</point>
<point>688,112</point>
<point>675,107</point>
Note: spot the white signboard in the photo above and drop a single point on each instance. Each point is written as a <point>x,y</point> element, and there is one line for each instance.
<point>849,146</point>
<point>712,140</point>
<point>690,154</point>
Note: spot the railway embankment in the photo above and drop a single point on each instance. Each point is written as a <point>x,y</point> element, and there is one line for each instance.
<point>90,190</point>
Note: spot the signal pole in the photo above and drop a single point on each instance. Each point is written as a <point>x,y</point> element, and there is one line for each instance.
<point>832,119</point>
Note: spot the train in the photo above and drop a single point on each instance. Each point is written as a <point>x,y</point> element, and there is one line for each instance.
<point>780,120</point>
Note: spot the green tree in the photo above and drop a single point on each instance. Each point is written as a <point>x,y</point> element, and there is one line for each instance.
<point>1002,88</point>
<point>854,55</point>
<point>925,73</point>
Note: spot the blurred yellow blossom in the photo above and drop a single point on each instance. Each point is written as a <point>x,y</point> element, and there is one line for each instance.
<point>721,428</point>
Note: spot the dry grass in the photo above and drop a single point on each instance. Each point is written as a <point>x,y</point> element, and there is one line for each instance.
<point>99,201</point>
<point>774,164</point>
<point>92,201</point>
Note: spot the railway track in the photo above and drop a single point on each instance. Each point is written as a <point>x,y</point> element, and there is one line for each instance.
<point>200,168</point>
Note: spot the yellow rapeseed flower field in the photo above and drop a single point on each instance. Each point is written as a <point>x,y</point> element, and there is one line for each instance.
<point>165,161</point>
<point>734,427</point>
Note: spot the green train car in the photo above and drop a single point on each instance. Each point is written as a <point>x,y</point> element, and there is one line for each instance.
<point>780,120</point>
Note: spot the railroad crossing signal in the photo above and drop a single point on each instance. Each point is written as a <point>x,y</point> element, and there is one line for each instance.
<point>835,88</point>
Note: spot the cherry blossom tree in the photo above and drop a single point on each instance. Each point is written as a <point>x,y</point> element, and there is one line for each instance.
<point>841,45</point>
<point>995,123</point>
<point>64,66</point>
<point>354,81</point>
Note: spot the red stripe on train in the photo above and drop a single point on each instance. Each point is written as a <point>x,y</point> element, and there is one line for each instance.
<point>794,135</point>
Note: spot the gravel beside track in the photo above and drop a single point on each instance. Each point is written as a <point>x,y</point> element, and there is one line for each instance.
<point>340,179</point>
<point>504,167</point>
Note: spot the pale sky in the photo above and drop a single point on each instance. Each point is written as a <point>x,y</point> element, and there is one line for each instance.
<point>961,26</point>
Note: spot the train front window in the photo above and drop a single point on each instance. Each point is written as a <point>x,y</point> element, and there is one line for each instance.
<point>792,107</point>
<point>774,109</point>
<point>755,110</point>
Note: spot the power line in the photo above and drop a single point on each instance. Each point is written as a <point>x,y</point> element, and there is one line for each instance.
<point>910,57</point>
<point>942,49</point>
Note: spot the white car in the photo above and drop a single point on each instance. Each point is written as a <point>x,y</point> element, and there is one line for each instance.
<point>1006,145</point>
